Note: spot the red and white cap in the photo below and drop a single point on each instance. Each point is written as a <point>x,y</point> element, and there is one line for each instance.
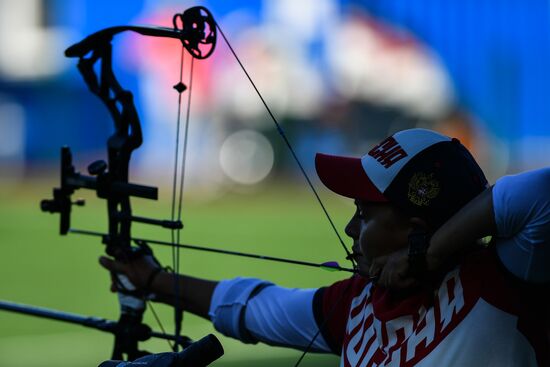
<point>420,170</point>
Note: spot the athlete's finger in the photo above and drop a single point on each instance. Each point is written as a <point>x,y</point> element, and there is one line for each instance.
<point>111,264</point>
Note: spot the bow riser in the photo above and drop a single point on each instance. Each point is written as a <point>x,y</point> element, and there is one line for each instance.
<point>196,30</point>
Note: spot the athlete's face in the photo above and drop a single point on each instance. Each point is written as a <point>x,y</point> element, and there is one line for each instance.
<point>377,229</point>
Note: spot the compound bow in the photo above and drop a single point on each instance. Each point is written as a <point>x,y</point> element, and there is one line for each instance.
<point>197,31</point>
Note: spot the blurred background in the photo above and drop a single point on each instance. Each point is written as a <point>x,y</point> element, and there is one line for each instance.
<point>339,75</point>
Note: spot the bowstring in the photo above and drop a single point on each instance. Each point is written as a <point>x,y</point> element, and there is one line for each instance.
<point>184,154</point>
<point>289,146</point>
<point>175,233</point>
<point>297,160</point>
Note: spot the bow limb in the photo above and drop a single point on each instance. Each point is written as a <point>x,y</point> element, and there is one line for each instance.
<point>195,28</point>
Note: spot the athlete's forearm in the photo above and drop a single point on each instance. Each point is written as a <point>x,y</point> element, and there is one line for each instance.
<point>474,221</point>
<point>195,294</point>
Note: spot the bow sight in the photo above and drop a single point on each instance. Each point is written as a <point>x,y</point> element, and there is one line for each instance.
<point>105,188</point>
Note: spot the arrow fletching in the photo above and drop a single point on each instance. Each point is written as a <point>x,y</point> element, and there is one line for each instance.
<point>330,266</point>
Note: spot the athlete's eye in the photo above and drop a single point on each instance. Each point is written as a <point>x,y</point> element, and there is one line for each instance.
<point>359,212</point>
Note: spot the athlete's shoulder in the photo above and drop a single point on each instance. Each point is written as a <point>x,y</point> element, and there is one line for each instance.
<point>331,306</point>
<point>522,216</point>
<point>352,286</point>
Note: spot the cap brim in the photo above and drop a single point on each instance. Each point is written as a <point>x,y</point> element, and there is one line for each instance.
<point>346,176</point>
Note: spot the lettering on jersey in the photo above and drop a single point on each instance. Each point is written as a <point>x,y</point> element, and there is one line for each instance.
<point>449,303</point>
<point>407,339</point>
<point>388,152</point>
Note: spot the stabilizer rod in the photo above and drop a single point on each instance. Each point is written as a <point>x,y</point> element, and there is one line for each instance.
<point>92,322</point>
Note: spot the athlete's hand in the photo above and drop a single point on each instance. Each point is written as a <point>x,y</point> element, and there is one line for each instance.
<point>392,270</point>
<point>138,271</point>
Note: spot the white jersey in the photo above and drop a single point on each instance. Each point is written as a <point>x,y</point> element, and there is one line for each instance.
<point>479,316</point>
<point>491,310</point>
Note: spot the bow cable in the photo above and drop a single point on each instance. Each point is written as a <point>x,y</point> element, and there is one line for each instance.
<point>179,313</point>
<point>176,233</point>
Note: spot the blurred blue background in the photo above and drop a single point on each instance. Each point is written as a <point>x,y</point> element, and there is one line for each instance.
<point>339,75</point>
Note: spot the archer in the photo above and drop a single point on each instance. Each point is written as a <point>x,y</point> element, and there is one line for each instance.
<point>427,293</point>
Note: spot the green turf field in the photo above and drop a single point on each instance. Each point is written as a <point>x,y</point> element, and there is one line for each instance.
<point>39,267</point>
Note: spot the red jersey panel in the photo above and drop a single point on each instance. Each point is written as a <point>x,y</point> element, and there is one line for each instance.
<point>478,316</point>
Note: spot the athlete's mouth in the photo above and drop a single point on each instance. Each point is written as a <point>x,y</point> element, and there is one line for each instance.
<point>356,254</point>
<point>364,266</point>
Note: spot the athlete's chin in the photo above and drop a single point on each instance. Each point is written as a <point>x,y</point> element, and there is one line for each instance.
<point>363,269</point>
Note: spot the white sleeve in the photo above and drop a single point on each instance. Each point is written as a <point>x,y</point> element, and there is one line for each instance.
<point>284,316</point>
<point>522,215</point>
<point>252,310</point>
